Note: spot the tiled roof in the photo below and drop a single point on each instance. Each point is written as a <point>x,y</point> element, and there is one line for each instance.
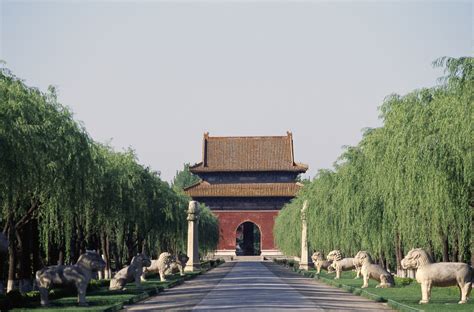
<point>205,189</point>
<point>259,153</point>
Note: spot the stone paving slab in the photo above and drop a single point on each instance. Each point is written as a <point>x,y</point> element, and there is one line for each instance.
<point>323,296</point>
<point>186,296</point>
<point>255,286</point>
<point>251,286</point>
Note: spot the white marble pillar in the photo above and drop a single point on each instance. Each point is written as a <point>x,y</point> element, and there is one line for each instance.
<point>305,261</point>
<point>193,264</point>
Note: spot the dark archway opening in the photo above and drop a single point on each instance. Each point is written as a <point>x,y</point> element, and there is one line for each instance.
<point>247,240</point>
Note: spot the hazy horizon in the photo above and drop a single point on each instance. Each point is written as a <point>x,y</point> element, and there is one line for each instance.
<point>156,75</point>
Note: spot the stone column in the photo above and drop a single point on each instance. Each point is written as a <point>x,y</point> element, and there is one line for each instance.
<point>305,261</point>
<point>193,263</point>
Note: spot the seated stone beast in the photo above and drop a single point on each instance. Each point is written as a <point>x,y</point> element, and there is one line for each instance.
<point>78,275</point>
<point>371,270</point>
<point>178,265</point>
<point>342,264</point>
<point>443,274</point>
<point>320,263</point>
<point>159,266</point>
<point>130,273</point>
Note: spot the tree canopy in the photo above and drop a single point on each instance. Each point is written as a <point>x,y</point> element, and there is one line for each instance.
<point>62,193</point>
<point>407,184</point>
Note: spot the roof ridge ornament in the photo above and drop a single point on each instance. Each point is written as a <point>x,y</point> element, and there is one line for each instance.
<point>204,148</point>
<point>290,137</point>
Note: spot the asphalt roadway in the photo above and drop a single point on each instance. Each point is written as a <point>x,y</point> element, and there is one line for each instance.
<point>255,286</point>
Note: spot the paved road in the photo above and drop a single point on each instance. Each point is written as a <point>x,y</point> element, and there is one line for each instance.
<point>255,286</point>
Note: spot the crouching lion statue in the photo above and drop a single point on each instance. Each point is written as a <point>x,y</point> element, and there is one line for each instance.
<point>371,270</point>
<point>443,274</point>
<point>78,275</point>
<point>320,263</point>
<point>178,265</point>
<point>130,273</point>
<point>342,264</point>
<point>166,263</point>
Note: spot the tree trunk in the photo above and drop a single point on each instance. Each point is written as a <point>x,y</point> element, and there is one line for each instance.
<point>118,260</point>
<point>105,255</point>
<point>143,249</point>
<point>61,257</point>
<point>2,272</point>
<point>108,269</point>
<point>24,257</point>
<point>11,266</point>
<point>455,256</point>
<point>431,251</point>
<point>130,247</point>
<point>382,260</point>
<point>38,260</point>
<point>399,255</point>
<point>445,248</point>
<point>11,256</point>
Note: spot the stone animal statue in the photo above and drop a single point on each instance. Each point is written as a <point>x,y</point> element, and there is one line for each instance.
<point>443,274</point>
<point>78,274</point>
<point>340,263</point>
<point>320,263</point>
<point>130,273</point>
<point>178,264</point>
<point>159,266</point>
<point>371,270</point>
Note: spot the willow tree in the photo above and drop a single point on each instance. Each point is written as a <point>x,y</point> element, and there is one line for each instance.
<point>408,183</point>
<point>287,230</point>
<point>44,161</point>
<point>61,192</point>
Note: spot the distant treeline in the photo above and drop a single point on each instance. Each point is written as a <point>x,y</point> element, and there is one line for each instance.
<point>62,193</point>
<point>407,184</point>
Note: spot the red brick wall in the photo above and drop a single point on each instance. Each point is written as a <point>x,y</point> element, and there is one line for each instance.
<point>230,220</point>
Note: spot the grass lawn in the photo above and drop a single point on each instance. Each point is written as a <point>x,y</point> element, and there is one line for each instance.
<point>442,298</point>
<point>103,299</point>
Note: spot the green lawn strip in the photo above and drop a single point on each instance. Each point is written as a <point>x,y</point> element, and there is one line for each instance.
<point>404,296</point>
<point>100,298</point>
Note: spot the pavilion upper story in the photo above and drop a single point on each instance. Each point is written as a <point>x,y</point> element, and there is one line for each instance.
<point>257,172</point>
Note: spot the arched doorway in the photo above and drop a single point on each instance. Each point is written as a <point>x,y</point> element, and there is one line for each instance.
<point>247,242</point>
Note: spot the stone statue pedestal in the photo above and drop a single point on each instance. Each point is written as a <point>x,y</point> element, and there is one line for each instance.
<point>193,264</point>
<point>305,261</point>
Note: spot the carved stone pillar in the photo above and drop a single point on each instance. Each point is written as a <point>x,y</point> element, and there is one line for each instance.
<point>305,262</point>
<point>193,263</point>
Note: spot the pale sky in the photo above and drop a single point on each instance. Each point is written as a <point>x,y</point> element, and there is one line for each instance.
<point>155,75</point>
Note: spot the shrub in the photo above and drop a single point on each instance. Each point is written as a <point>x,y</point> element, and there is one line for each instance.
<point>403,281</point>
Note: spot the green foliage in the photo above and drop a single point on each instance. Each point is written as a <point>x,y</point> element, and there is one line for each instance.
<point>208,230</point>
<point>62,193</point>
<point>184,178</point>
<point>208,226</point>
<point>403,281</point>
<point>408,183</point>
